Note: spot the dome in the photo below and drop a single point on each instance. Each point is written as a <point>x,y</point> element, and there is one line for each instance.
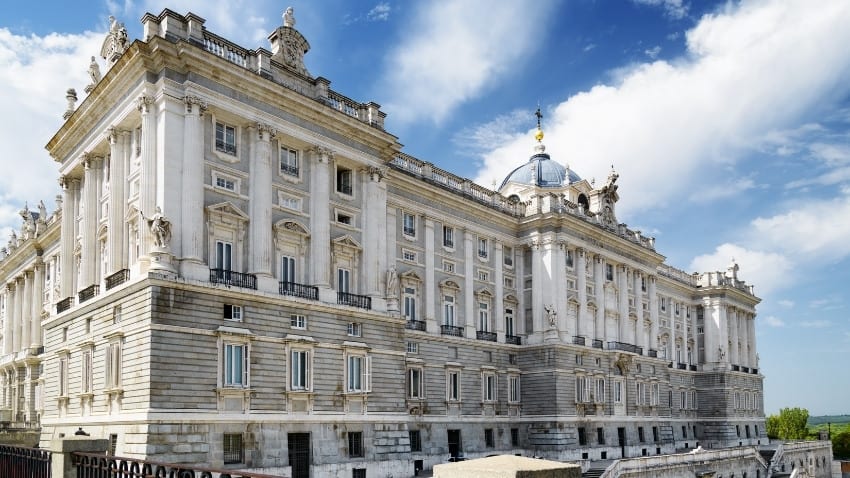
<point>541,171</point>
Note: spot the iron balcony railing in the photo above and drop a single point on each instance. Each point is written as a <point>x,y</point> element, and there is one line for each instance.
<point>578,340</point>
<point>64,304</point>
<point>452,330</point>
<point>693,368</point>
<point>415,325</point>
<point>97,465</point>
<point>484,335</point>
<point>625,347</point>
<point>298,290</point>
<point>117,278</point>
<point>354,300</point>
<point>755,371</point>
<point>24,462</point>
<point>513,339</point>
<point>289,169</point>
<point>736,368</point>
<point>682,366</point>
<point>238,279</point>
<point>597,344</point>
<point>88,292</point>
<point>653,353</point>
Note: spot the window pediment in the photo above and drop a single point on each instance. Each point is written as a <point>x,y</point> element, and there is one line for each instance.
<point>449,284</point>
<point>346,242</point>
<point>290,225</point>
<point>410,276</point>
<point>226,210</point>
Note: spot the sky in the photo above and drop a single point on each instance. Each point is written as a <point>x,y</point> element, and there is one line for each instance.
<point>728,122</point>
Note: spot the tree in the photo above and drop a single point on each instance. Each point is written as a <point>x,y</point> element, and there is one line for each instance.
<point>790,424</point>
<point>841,445</point>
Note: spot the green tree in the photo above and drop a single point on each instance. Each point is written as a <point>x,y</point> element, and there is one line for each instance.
<point>841,445</point>
<point>790,424</point>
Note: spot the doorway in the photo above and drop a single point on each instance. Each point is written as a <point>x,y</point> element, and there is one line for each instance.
<point>299,454</point>
<point>621,440</point>
<point>454,444</point>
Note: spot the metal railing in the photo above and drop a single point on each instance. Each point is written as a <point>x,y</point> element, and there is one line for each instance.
<point>625,347</point>
<point>20,462</point>
<point>736,368</point>
<point>513,339</point>
<point>238,279</point>
<point>653,353</point>
<point>88,292</point>
<point>682,366</point>
<point>452,330</point>
<point>578,340</point>
<point>117,279</point>
<point>415,325</point>
<point>693,368</point>
<point>64,304</point>
<point>92,465</point>
<point>289,169</point>
<point>597,344</point>
<point>354,300</point>
<point>298,290</point>
<point>484,335</point>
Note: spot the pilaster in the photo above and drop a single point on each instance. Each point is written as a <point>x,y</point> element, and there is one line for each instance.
<point>115,235</point>
<point>147,174</point>
<point>599,288</point>
<point>582,328</point>
<point>429,294</point>
<point>70,193</point>
<point>8,323</point>
<point>537,284</point>
<point>623,303</point>
<point>91,192</point>
<point>26,311</point>
<point>639,325</point>
<point>653,312</point>
<point>37,304</point>
<point>374,229</point>
<point>17,318</point>
<point>320,240</point>
<point>469,284</point>
<point>260,207</point>
<point>559,268</point>
<point>192,230</point>
<point>499,288</point>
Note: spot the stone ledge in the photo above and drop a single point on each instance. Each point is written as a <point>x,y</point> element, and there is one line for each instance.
<point>507,466</point>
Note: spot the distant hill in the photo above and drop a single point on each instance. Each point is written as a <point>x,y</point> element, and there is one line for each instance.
<point>824,419</point>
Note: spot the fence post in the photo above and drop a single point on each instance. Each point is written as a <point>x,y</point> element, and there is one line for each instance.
<point>62,465</point>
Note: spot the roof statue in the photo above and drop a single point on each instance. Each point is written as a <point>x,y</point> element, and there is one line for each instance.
<point>115,42</point>
<point>94,74</point>
<point>289,17</point>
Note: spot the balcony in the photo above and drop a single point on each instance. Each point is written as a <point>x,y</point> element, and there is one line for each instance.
<point>653,353</point>
<point>513,339</point>
<point>597,344</point>
<point>682,366</point>
<point>298,290</point>
<point>484,335</point>
<point>415,325</point>
<point>289,169</point>
<point>736,368</point>
<point>88,293</point>
<point>625,347</point>
<point>231,278</point>
<point>354,300</point>
<point>693,368</point>
<point>578,340</point>
<point>745,369</point>
<point>754,371</point>
<point>117,279</point>
<point>64,304</point>
<point>452,330</point>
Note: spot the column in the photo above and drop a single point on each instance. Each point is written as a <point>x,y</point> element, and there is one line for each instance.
<point>653,312</point>
<point>37,304</point>
<point>623,302</point>
<point>599,281</point>
<point>192,234</point>
<point>147,174</point>
<point>640,328</point>
<point>428,303</point>
<point>88,253</point>
<point>374,227</point>
<point>117,178</point>
<point>583,320</point>
<point>537,284</point>
<point>751,335</point>
<point>732,321</point>
<point>560,289</point>
<point>499,299</point>
<point>684,333</point>
<point>70,192</point>
<point>260,207</point>
<point>519,289</point>
<point>8,328</point>
<point>469,284</point>
<point>26,311</point>
<point>743,355</point>
<point>320,228</point>
<point>694,335</point>
<point>17,318</point>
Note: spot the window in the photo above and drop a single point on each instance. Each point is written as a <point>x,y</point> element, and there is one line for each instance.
<point>289,202</point>
<point>116,314</point>
<point>297,321</point>
<point>289,161</point>
<point>225,138</point>
<point>355,329</point>
<point>509,282</point>
<point>483,275</point>
<point>409,224</point>
<point>344,218</point>
<point>582,436</point>
<point>414,383</point>
<point>676,308</point>
<point>235,366</point>
<point>513,389</point>
<point>410,303</point>
<point>287,269</point>
<point>663,304</point>
<point>408,255</point>
<point>514,437</point>
<point>448,237</point>
<point>113,365</point>
<point>344,181</point>
<point>600,436</point>
<point>225,183</point>
<point>618,392</point>
<point>643,284</point>
<point>299,370</point>
<point>569,258</point>
<point>113,444</point>
<point>86,368</point>
<point>358,373</point>
<point>449,267</point>
<point>488,387</point>
<point>508,256</point>
<point>412,348</point>
<point>415,440</point>
<point>489,440</point>
<point>640,399</point>
<point>655,394</point>
<point>343,280</point>
<point>355,444</point>
<point>599,396</point>
<point>582,386</point>
<point>483,248</point>
<point>358,473</point>
<point>453,385</point>
<point>641,438</point>
<point>483,316</point>
<point>655,434</point>
<point>448,310</point>
<point>233,312</point>
<point>609,272</point>
<point>509,321</point>
<point>232,446</point>
<point>223,255</point>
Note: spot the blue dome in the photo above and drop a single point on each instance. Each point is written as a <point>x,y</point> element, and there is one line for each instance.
<point>542,172</point>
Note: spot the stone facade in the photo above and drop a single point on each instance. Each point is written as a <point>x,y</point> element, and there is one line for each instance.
<point>243,270</point>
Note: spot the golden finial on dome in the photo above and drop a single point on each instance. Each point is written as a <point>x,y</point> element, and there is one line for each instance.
<point>538,135</point>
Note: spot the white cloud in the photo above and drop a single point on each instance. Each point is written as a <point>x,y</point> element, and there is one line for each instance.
<point>453,51</point>
<point>683,118</point>
<point>774,321</point>
<point>815,324</point>
<point>379,13</point>
<point>653,52</point>
<point>768,271</point>
<point>673,8</point>
<point>788,304</point>
<point>241,21</point>
<point>714,192</point>
<point>588,47</point>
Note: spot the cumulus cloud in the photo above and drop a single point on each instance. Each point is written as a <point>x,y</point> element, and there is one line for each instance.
<point>713,192</point>
<point>241,21</point>
<point>788,304</point>
<point>769,271</point>
<point>672,8</point>
<point>653,52</point>
<point>453,51</point>
<point>379,13</point>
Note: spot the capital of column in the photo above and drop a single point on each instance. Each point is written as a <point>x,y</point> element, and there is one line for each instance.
<point>322,154</point>
<point>143,103</point>
<point>580,252</point>
<point>562,244</point>
<point>91,162</point>
<point>194,104</point>
<point>376,173</point>
<point>113,133</point>
<point>597,258</point>
<point>265,132</point>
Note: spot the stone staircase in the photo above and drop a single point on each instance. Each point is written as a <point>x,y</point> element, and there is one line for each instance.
<point>597,468</point>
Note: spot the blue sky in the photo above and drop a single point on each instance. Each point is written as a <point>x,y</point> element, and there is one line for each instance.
<point>727,121</point>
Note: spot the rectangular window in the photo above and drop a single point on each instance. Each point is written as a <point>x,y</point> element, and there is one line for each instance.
<point>449,267</point>
<point>483,248</point>
<point>289,202</point>
<point>448,310</point>
<point>513,389</point>
<point>289,161</point>
<point>654,397</point>
<point>509,282</point>
<point>223,255</point>
<point>225,138</point>
<point>618,392</point>
<point>344,181</point>
<point>412,348</point>
<point>453,385</point>
<point>113,365</point>
<point>415,440</point>
<point>676,308</point>
<point>655,434</point>
<point>489,440</point>
<point>483,276</point>
<point>488,387</point>
<point>663,304</point>
<point>448,237</point>
<point>358,373</point>
<point>509,322</point>
<point>299,370</point>
<point>508,256</point>
<point>355,329</point>
<point>408,255</point>
<point>410,303</point>
<point>640,435</point>
<point>232,446</point>
<point>599,396</point>
<point>582,436</point>
<point>287,269</point>
<point>355,444</point>
<point>609,272</point>
<point>233,312</point>
<point>297,321</point>
<point>569,258</point>
<point>235,366</point>
<point>414,383</point>
<point>483,316</point>
<point>343,280</point>
<point>225,183</point>
<point>358,473</point>
<point>86,367</point>
<point>582,392</point>
<point>409,225</point>
<point>643,284</point>
<point>514,437</point>
<point>344,218</point>
<point>600,436</point>
<point>640,399</point>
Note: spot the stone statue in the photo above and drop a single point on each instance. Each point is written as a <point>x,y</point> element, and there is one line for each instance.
<point>289,17</point>
<point>94,74</point>
<point>160,228</point>
<point>551,315</point>
<point>720,353</point>
<point>115,42</point>
<point>612,178</point>
<point>42,211</point>
<point>392,282</point>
